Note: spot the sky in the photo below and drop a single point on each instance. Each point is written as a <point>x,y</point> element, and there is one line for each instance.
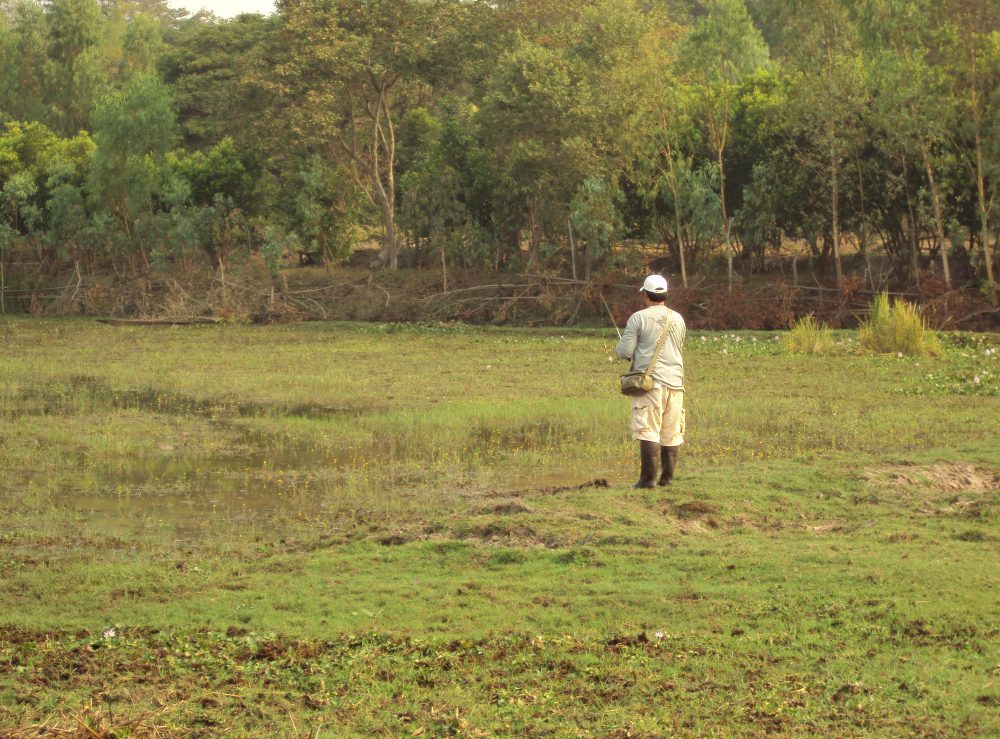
<point>225,8</point>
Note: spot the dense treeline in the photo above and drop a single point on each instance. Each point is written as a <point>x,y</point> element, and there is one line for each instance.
<point>505,135</point>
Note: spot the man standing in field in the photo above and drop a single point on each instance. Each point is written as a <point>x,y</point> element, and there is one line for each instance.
<point>657,415</point>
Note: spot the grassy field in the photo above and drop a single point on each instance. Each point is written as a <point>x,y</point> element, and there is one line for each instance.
<point>371,530</point>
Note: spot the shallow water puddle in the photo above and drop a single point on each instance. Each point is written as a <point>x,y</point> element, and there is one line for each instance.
<point>265,483</point>
<point>187,497</point>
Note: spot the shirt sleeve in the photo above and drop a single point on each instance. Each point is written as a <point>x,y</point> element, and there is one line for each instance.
<point>630,337</point>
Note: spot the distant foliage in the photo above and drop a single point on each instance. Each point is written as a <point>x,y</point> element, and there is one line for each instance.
<point>569,139</point>
<point>897,328</point>
<point>809,337</point>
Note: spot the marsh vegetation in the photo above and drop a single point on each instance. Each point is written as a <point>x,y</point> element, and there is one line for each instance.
<point>429,530</point>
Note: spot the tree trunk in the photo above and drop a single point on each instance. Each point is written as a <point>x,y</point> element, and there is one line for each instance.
<point>572,249</point>
<point>863,233</point>
<point>725,218</point>
<point>444,269</point>
<point>977,123</point>
<point>835,212</point>
<point>534,241</point>
<point>910,227</point>
<point>983,211</point>
<point>672,182</point>
<point>938,216</point>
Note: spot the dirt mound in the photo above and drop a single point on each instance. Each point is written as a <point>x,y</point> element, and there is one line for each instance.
<point>944,489</point>
<point>695,509</point>
<point>943,477</point>
<point>511,508</point>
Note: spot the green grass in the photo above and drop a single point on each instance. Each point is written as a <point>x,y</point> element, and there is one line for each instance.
<point>401,530</point>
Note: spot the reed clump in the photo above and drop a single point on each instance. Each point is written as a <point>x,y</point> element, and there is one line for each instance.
<point>896,327</point>
<point>809,337</point>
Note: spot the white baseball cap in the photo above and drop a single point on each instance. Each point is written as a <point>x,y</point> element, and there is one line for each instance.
<point>654,284</point>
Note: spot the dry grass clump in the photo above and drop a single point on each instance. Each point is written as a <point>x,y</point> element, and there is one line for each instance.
<point>809,337</point>
<point>897,328</point>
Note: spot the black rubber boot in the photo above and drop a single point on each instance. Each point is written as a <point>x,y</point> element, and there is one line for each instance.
<point>648,452</point>
<point>668,461</point>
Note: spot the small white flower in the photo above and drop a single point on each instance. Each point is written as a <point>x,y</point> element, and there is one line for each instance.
<point>704,338</point>
<point>899,354</point>
<point>659,635</point>
<point>110,633</point>
<point>975,380</point>
<point>753,339</point>
<point>725,351</point>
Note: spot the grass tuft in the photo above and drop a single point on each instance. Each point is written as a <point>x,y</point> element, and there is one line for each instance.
<point>809,337</point>
<point>897,328</point>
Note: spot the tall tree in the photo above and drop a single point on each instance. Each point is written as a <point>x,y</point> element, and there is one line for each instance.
<point>77,73</point>
<point>915,110</point>
<point>23,63</point>
<point>668,129</point>
<point>722,49</point>
<point>829,97</point>
<point>561,105</point>
<point>343,75</point>
<point>133,130</point>
<point>973,41</point>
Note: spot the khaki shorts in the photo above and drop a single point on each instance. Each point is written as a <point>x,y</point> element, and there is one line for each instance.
<point>659,416</point>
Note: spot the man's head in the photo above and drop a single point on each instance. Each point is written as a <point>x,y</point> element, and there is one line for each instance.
<point>654,289</point>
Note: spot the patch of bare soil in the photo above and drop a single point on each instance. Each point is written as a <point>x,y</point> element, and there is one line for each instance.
<point>511,508</point>
<point>959,478</point>
<point>695,509</point>
<point>500,532</point>
<point>939,489</point>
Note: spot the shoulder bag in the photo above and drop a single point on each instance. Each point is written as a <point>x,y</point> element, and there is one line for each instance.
<point>636,382</point>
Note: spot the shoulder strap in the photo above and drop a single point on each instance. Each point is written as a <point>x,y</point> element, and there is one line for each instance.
<point>667,325</point>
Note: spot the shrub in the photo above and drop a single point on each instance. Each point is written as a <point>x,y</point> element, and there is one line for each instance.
<point>897,328</point>
<point>809,337</point>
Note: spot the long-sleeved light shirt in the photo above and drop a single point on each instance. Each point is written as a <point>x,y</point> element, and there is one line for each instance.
<point>639,342</point>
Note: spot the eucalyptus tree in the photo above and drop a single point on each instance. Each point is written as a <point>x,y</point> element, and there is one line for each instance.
<point>432,188</point>
<point>971,31</point>
<point>342,74</point>
<point>134,129</point>
<point>23,63</point>
<point>669,130</point>
<point>829,96</point>
<point>914,109</point>
<point>75,66</point>
<point>722,49</point>
<point>142,45</point>
<point>561,105</point>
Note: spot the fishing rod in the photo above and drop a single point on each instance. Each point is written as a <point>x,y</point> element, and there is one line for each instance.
<point>611,316</point>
